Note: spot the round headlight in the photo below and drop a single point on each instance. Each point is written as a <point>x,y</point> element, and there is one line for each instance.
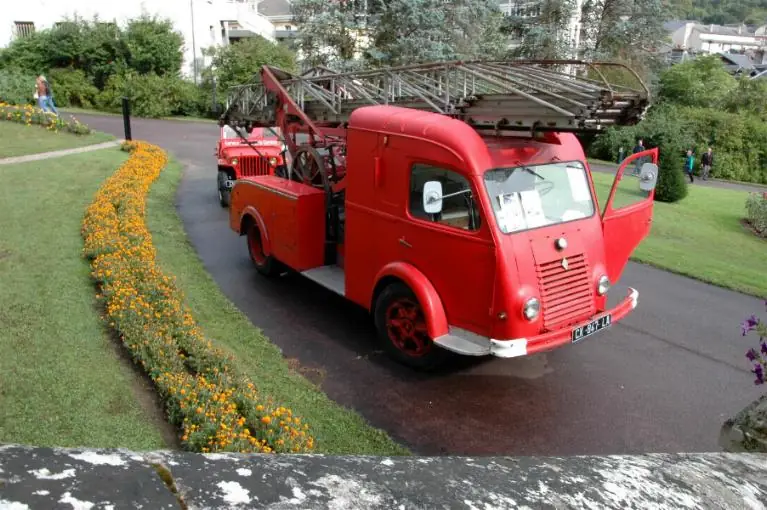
<point>603,285</point>
<point>531,309</point>
<point>273,161</point>
<point>234,161</point>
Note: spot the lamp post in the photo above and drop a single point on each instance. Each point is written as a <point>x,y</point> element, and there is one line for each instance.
<point>194,45</point>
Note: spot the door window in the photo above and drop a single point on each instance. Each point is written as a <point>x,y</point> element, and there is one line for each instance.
<point>459,211</point>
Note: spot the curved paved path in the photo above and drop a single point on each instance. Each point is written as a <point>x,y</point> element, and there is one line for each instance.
<point>664,380</point>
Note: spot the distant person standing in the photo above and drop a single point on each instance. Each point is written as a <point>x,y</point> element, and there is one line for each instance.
<point>689,164</point>
<point>707,161</point>
<point>45,95</point>
<point>639,147</point>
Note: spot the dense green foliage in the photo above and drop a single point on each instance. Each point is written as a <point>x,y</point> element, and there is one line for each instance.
<point>701,105</point>
<point>93,64</point>
<point>722,11</point>
<point>756,212</point>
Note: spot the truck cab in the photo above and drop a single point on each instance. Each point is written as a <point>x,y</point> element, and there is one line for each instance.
<point>454,240</point>
<point>261,152</point>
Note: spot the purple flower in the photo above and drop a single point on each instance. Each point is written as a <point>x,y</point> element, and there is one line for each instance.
<point>764,347</point>
<point>751,354</point>
<point>749,324</point>
<point>759,373</point>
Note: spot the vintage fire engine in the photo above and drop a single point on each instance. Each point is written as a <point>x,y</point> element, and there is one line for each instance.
<point>240,154</point>
<point>453,201</point>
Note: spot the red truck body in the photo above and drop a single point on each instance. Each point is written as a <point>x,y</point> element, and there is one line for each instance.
<point>260,153</point>
<point>511,257</point>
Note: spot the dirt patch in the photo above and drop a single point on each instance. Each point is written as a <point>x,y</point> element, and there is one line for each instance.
<point>748,226</point>
<point>315,375</point>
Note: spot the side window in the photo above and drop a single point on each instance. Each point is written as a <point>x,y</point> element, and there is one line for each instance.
<point>459,211</point>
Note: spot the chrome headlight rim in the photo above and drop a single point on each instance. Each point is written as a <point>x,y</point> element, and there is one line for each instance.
<point>531,309</point>
<point>234,161</point>
<point>603,285</point>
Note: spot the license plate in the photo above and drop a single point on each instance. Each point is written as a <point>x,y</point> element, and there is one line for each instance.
<point>592,327</point>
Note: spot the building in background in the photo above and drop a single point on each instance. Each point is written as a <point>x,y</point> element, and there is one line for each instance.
<point>202,23</point>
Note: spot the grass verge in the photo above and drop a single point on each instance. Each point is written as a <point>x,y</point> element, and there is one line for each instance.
<point>62,383</point>
<point>21,140</point>
<point>338,430</point>
<point>702,237</point>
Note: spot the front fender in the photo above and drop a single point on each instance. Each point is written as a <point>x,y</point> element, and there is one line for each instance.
<point>436,320</point>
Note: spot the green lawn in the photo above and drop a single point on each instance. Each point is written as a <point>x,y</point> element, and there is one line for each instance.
<point>19,140</point>
<point>338,430</point>
<point>700,236</point>
<point>62,382</point>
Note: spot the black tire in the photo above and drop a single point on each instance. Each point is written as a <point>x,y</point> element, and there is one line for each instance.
<point>266,265</point>
<point>420,353</point>
<point>224,195</point>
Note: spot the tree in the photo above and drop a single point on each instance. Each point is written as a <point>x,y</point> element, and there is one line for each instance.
<point>412,31</point>
<point>700,82</point>
<point>330,32</point>
<point>239,62</point>
<point>152,46</point>
<point>546,35</point>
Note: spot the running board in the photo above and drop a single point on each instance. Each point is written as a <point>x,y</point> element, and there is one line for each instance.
<point>330,277</point>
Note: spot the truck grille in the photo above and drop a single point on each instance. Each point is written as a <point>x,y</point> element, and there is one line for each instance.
<point>250,166</point>
<point>566,295</point>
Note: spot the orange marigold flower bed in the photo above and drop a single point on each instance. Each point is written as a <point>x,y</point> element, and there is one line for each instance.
<point>215,408</point>
<point>30,115</point>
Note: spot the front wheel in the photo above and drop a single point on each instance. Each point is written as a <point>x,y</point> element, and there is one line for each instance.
<point>401,326</point>
<point>224,195</point>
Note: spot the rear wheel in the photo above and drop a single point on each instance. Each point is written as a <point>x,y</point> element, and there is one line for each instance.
<point>401,325</point>
<point>224,195</point>
<point>265,264</point>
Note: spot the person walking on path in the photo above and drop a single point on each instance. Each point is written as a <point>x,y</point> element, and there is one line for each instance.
<point>639,147</point>
<point>45,95</point>
<point>707,161</point>
<point>689,164</point>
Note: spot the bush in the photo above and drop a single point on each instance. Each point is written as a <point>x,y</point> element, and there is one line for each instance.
<point>17,87</point>
<point>756,212</point>
<point>72,88</point>
<point>671,186</point>
<point>216,408</point>
<point>151,95</point>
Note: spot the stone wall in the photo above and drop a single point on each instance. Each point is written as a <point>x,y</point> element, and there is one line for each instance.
<point>115,479</point>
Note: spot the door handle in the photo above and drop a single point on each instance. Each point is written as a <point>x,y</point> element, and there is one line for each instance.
<point>405,243</point>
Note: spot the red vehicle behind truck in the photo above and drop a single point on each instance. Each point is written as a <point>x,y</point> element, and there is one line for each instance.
<point>240,154</point>
<point>452,201</point>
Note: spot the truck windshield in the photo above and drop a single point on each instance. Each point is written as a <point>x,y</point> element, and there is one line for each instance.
<point>257,134</point>
<point>527,197</point>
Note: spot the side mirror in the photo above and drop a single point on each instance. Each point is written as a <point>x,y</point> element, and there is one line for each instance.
<point>432,197</point>
<point>648,177</point>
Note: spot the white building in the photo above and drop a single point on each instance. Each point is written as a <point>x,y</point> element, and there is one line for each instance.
<point>202,23</point>
<point>694,37</point>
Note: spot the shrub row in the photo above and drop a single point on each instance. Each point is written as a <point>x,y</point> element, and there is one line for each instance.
<point>216,408</point>
<point>739,140</point>
<point>756,212</point>
<point>30,115</point>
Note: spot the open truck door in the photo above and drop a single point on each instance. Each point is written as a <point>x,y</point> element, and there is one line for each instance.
<point>627,215</point>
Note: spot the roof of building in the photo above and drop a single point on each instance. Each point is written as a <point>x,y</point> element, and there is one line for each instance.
<point>736,59</point>
<point>275,8</point>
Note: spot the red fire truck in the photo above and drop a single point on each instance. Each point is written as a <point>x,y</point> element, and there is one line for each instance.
<point>453,201</point>
<point>241,154</point>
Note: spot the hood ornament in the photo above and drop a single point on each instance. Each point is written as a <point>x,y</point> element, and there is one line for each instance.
<point>560,243</point>
<point>565,265</point>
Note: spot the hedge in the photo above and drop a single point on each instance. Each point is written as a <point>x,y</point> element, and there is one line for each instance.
<point>756,212</point>
<point>739,141</point>
<point>216,408</point>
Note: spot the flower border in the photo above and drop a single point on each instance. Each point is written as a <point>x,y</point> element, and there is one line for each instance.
<point>30,115</point>
<point>215,408</point>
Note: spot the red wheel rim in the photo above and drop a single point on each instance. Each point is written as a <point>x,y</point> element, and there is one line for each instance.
<point>406,327</point>
<point>254,245</point>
